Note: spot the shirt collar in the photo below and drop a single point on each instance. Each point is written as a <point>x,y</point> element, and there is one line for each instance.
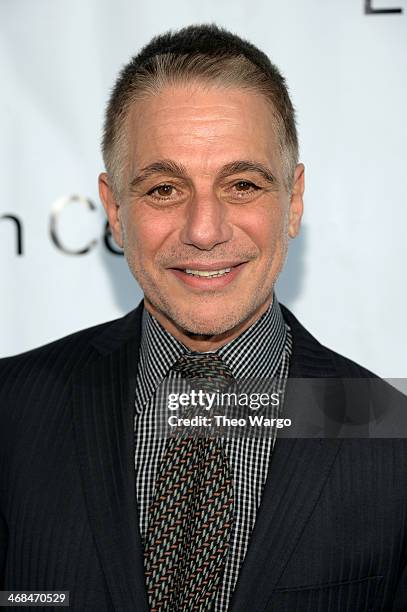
<point>255,353</point>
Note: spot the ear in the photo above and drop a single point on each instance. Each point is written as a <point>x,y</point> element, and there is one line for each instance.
<point>111,207</point>
<point>296,201</point>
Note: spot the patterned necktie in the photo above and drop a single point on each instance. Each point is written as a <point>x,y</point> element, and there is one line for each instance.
<point>190,519</point>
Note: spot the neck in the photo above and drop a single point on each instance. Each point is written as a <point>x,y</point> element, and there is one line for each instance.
<point>203,343</point>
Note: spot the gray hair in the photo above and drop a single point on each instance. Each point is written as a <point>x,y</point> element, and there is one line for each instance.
<point>206,55</point>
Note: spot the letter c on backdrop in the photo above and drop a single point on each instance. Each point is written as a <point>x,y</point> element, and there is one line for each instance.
<point>56,210</point>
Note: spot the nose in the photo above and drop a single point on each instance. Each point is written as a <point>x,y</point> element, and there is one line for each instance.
<point>206,223</point>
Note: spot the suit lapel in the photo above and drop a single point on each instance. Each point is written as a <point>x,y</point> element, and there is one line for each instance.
<point>298,472</point>
<point>103,413</point>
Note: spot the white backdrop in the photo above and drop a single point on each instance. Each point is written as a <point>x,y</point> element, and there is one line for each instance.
<point>347,71</point>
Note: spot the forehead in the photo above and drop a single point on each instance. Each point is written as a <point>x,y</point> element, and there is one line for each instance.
<point>202,127</point>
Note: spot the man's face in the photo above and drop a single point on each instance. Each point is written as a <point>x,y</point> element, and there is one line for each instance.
<point>204,218</point>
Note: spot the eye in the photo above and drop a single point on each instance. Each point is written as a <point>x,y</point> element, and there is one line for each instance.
<point>242,190</point>
<point>162,191</point>
<point>245,186</point>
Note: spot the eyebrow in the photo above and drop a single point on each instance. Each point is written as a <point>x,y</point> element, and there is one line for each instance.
<point>172,168</point>
<point>248,166</point>
<point>164,166</point>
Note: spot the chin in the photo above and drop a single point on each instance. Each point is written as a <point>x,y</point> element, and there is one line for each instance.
<point>208,320</point>
<point>195,326</point>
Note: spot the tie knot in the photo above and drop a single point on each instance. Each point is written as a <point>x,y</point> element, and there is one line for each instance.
<point>207,366</point>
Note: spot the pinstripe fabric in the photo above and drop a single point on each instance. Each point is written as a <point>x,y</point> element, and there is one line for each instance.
<point>48,544</point>
<point>262,351</point>
<point>331,529</point>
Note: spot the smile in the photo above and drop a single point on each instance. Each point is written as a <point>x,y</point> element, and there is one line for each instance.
<point>208,273</point>
<point>201,277</point>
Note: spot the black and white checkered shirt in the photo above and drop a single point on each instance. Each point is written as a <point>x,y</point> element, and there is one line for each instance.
<point>262,351</point>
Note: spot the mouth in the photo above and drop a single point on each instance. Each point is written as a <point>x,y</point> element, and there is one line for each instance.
<point>208,273</point>
<point>206,276</point>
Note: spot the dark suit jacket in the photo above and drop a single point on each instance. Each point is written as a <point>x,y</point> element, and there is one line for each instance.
<point>330,533</point>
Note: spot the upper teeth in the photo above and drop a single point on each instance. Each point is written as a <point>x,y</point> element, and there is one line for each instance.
<point>208,272</point>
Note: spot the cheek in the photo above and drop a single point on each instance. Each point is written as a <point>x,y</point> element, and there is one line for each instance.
<point>146,232</point>
<point>266,228</point>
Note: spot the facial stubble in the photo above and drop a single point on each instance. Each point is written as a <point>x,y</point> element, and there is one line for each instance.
<point>189,319</point>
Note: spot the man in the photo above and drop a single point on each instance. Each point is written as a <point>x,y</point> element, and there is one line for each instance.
<point>203,190</point>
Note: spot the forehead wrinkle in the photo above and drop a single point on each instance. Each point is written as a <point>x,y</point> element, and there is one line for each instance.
<point>156,115</point>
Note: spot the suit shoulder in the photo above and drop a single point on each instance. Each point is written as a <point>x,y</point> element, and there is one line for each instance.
<point>314,350</point>
<point>60,357</point>
<point>348,367</point>
<point>378,389</point>
<point>72,342</point>
<point>40,379</point>
<point>326,362</point>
